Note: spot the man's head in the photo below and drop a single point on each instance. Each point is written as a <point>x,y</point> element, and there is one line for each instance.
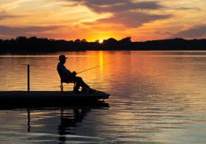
<point>62,58</point>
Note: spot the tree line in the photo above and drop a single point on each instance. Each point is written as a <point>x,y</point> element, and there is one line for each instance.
<point>33,44</point>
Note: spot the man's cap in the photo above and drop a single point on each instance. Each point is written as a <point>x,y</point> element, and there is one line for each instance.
<point>62,57</point>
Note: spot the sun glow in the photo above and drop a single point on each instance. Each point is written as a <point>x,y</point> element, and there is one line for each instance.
<point>101,41</point>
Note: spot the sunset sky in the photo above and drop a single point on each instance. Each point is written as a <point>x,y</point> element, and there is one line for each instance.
<point>101,19</point>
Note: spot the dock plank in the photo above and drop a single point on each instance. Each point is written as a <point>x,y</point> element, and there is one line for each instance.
<point>49,98</point>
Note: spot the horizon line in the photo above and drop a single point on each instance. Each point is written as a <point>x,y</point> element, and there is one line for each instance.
<point>103,39</point>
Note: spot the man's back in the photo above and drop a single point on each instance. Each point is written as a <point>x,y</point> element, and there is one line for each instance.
<point>64,73</point>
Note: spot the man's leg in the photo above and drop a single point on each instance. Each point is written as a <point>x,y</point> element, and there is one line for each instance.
<point>79,82</point>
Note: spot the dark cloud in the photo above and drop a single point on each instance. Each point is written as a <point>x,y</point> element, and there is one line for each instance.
<point>149,5</point>
<point>27,31</point>
<point>125,12</point>
<point>188,8</point>
<point>132,19</point>
<point>4,15</point>
<point>195,32</point>
<point>113,6</point>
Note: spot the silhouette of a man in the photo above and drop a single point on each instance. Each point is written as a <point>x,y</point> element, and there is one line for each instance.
<point>68,76</point>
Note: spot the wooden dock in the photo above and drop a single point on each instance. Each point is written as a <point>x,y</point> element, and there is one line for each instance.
<point>43,98</point>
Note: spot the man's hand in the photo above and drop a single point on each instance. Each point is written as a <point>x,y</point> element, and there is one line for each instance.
<point>74,73</point>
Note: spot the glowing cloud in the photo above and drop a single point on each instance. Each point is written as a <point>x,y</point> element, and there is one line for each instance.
<point>102,19</point>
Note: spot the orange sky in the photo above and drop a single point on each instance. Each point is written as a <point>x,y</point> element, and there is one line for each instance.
<point>101,19</point>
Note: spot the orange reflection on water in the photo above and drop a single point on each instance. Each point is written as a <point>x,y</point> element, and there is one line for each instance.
<point>101,61</point>
<point>153,94</point>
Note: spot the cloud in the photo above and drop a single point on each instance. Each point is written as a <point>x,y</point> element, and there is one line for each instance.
<point>195,32</point>
<point>188,8</point>
<point>132,19</point>
<point>4,15</point>
<point>124,12</point>
<point>113,6</point>
<point>151,5</point>
<point>25,31</point>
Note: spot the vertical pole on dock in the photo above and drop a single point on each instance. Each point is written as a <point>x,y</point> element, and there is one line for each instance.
<point>29,120</point>
<point>28,78</point>
<point>28,90</point>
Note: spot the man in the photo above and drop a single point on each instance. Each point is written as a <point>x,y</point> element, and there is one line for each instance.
<point>68,76</point>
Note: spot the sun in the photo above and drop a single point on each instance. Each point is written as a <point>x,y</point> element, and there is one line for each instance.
<point>101,41</point>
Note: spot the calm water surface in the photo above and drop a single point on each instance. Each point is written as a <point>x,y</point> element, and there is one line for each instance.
<point>156,98</point>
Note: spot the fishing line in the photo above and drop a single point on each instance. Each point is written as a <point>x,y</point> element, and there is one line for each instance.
<point>93,68</point>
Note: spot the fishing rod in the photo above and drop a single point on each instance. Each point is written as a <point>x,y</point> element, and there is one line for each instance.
<point>92,68</point>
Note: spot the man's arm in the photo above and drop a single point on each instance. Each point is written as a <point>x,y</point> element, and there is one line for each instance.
<point>64,71</point>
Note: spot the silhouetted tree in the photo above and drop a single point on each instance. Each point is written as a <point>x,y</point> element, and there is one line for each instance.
<point>77,41</point>
<point>33,44</point>
<point>126,40</point>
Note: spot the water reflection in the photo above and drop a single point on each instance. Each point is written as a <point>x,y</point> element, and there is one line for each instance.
<point>69,119</point>
<point>50,124</point>
<point>156,97</point>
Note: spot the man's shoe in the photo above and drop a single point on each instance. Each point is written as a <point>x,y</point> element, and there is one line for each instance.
<point>92,91</point>
<point>85,90</point>
<point>88,91</point>
<point>76,91</point>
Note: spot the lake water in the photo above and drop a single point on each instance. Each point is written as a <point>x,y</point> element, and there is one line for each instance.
<point>156,98</point>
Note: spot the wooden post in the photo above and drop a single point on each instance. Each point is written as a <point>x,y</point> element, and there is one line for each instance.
<point>28,90</point>
<point>28,78</point>
<point>29,120</point>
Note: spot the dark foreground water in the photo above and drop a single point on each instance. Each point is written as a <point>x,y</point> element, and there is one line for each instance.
<point>156,98</point>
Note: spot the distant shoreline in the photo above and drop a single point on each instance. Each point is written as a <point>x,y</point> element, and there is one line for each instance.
<point>23,45</point>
